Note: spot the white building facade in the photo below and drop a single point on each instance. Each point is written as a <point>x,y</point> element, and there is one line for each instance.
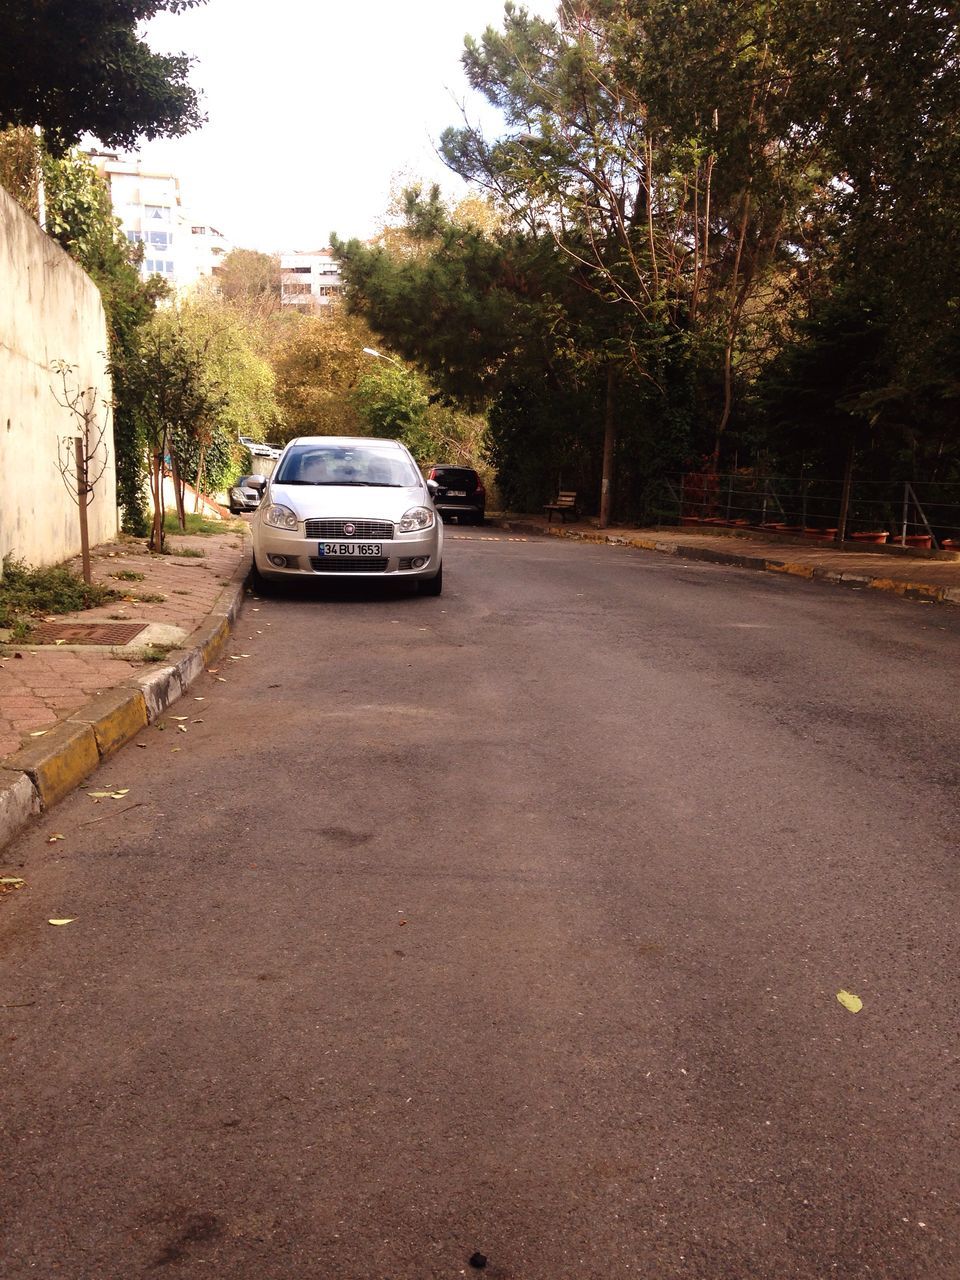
<point>181,248</point>
<point>310,281</point>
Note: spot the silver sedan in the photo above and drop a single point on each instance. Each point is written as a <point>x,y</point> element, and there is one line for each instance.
<point>353,507</point>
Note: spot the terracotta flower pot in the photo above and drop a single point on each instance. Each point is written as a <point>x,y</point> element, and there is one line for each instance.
<point>876,537</point>
<point>922,540</point>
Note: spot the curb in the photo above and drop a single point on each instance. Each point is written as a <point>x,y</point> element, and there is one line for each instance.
<point>38,776</point>
<point>922,591</point>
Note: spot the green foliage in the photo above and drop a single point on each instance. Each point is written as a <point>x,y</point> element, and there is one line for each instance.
<point>317,365</point>
<point>30,593</point>
<point>84,68</point>
<point>203,526</point>
<point>80,216</point>
<point>390,400</point>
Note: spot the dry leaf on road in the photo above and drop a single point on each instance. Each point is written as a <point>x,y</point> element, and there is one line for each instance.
<point>850,1001</point>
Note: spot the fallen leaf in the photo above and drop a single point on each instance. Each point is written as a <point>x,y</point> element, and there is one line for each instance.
<point>179,717</point>
<point>199,699</point>
<point>221,680</point>
<point>196,722</point>
<point>68,920</point>
<point>55,837</point>
<point>38,733</point>
<point>182,728</point>
<point>12,880</point>
<point>142,745</point>
<point>212,671</point>
<point>99,795</point>
<point>850,1001</point>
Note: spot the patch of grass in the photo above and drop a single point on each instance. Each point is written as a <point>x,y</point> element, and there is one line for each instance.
<point>30,593</point>
<point>150,597</point>
<point>194,552</point>
<point>128,575</point>
<point>197,524</point>
<point>156,653</point>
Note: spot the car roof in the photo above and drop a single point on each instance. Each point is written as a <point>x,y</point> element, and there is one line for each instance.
<point>345,440</point>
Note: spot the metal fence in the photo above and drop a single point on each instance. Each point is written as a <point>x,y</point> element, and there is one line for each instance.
<point>901,513</point>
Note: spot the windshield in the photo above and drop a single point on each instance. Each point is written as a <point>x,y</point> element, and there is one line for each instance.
<point>353,464</point>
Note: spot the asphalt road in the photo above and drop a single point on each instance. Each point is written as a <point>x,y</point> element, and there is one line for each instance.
<point>509,923</point>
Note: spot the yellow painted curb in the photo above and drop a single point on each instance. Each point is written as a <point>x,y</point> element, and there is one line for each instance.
<point>213,645</point>
<point>59,761</point>
<point>796,569</point>
<point>115,717</point>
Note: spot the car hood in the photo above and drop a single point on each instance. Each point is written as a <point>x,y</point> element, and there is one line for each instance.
<point>322,502</point>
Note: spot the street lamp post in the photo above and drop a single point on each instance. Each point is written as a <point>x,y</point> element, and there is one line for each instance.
<point>369,351</point>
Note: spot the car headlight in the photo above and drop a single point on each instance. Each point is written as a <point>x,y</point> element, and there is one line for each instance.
<point>416,518</point>
<point>280,517</point>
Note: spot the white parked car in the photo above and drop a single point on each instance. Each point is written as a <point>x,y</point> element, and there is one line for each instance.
<point>352,506</point>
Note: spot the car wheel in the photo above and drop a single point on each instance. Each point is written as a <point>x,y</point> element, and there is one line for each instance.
<point>432,586</point>
<point>261,585</point>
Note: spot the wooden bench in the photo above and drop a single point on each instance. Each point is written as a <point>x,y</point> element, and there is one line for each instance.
<point>565,506</point>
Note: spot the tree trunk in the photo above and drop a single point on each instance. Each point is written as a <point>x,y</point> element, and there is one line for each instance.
<point>845,495</point>
<point>178,492</point>
<point>156,488</point>
<point>609,446</point>
<point>201,478</point>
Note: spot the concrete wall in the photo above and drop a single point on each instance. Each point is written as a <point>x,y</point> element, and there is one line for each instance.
<point>49,310</point>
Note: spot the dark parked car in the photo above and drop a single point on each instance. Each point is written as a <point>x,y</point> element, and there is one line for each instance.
<point>459,492</point>
<point>245,495</point>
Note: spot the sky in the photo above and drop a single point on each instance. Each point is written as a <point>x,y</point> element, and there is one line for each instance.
<point>315,108</point>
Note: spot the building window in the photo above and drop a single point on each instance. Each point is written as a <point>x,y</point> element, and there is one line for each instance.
<point>199,231</point>
<point>162,239</point>
<point>298,271</point>
<point>328,291</point>
<point>157,212</point>
<point>293,290</point>
<point>135,237</point>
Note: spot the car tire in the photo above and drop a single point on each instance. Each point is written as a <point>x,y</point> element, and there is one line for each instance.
<point>261,585</point>
<point>433,586</point>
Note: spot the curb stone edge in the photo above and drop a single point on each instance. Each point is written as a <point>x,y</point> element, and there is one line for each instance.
<point>35,778</point>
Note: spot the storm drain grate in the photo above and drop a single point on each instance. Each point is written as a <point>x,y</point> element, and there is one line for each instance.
<point>85,632</point>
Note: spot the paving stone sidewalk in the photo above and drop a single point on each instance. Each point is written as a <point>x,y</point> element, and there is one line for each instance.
<point>903,572</point>
<point>41,685</point>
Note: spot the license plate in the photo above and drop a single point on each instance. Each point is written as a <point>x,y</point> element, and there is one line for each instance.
<point>456,493</point>
<point>349,549</point>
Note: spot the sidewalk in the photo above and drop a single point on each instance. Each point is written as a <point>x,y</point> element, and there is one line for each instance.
<point>66,702</point>
<point>903,572</point>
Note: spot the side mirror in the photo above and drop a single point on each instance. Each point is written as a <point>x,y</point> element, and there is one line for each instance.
<point>433,487</point>
<point>257,482</point>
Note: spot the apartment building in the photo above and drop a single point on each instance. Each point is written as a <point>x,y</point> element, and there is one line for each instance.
<point>176,245</point>
<point>309,281</point>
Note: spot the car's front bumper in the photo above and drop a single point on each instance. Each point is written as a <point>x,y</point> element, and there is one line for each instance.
<point>283,554</point>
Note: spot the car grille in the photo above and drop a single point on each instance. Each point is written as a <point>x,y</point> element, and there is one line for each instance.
<point>378,529</point>
<point>348,564</point>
